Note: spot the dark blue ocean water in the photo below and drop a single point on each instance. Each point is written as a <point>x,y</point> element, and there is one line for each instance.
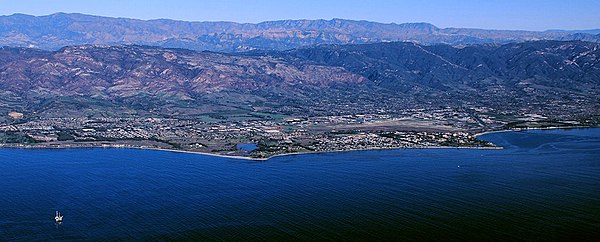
<point>544,186</point>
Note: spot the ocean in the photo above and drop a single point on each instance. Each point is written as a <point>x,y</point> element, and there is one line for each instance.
<point>544,185</point>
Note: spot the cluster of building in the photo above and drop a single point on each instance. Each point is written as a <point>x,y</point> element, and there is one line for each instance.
<point>408,129</point>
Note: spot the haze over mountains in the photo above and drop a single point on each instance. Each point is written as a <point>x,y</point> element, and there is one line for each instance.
<point>54,31</point>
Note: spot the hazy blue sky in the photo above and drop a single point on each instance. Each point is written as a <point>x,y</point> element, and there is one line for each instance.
<point>496,14</point>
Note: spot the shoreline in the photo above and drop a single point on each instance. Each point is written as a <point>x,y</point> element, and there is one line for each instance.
<point>121,146</point>
<point>374,149</point>
<point>243,157</point>
<point>526,129</point>
<point>202,153</point>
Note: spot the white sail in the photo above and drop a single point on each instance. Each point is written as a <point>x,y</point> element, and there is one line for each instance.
<point>58,217</point>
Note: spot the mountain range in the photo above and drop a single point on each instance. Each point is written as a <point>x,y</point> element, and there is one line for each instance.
<point>554,78</point>
<point>80,65</point>
<point>55,31</point>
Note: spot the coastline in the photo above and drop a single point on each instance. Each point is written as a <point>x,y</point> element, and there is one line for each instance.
<point>122,146</point>
<point>202,153</point>
<point>526,129</point>
<point>399,148</point>
<point>243,157</point>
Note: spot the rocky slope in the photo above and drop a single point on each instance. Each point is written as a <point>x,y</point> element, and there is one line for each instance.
<point>57,30</point>
<point>405,66</point>
<point>546,76</point>
<point>125,71</point>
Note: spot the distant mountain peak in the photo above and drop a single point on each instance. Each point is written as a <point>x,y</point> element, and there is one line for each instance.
<point>54,31</point>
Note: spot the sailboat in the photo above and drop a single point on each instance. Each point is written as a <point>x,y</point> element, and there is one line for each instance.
<point>58,218</point>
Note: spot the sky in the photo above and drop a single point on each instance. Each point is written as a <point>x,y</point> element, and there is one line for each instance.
<point>488,14</point>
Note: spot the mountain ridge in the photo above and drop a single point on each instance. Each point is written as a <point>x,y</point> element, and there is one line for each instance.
<point>61,29</point>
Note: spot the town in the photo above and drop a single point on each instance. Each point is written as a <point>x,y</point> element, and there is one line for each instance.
<point>271,135</point>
